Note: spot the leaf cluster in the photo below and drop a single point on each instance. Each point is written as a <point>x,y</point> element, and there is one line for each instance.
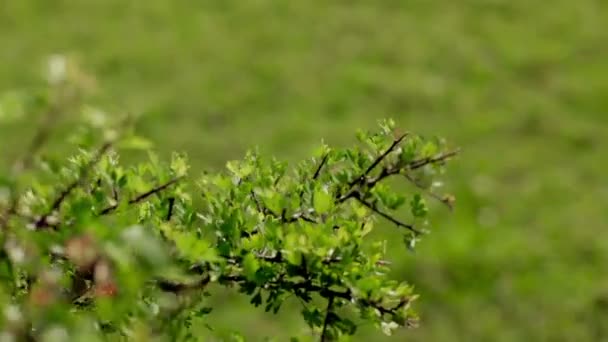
<point>93,248</point>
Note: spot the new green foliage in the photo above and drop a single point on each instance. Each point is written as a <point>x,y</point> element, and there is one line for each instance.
<point>97,247</point>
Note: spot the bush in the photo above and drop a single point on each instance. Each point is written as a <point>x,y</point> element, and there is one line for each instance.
<point>96,249</point>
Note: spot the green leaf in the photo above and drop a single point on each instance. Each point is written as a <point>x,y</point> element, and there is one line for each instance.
<point>389,327</point>
<point>273,201</point>
<point>179,164</point>
<point>203,311</point>
<point>313,317</point>
<point>429,149</point>
<point>294,257</point>
<point>256,300</point>
<point>250,266</point>
<point>322,201</point>
<point>154,260</point>
<point>418,205</point>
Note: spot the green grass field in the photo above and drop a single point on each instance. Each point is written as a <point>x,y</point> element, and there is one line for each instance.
<point>521,86</point>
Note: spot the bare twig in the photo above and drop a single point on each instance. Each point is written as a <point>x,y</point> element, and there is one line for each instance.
<point>390,171</point>
<point>379,159</point>
<point>155,190</point>
<point>178,287</point>
<point>317,172</point>
<point>320,167</point>
<point>143,196</point>
<point>170,209</point>
<point>387,216</point>
<point>324,332</point>
<point>416,164</point>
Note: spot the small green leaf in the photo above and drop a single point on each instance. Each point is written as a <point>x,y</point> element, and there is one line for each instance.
<point>256,300</point>
<point>179,164</point>
<point>418,205</point>
<point>294,257</point>
<point>322,201</point>
<point>250,266</point>
<point>273,201</point>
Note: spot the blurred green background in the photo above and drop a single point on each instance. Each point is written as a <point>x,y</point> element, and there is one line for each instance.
<point>521,86</point>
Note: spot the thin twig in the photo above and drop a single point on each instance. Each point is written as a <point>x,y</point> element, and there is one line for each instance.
<point>387,216</point>
<point>378,160</point>
<point>177,287</point>
<point>170,209</point>
<point>317,172</point>
<point>390,171</point>
<point>320,167</point>
<point>142,196</point>
<point>155,190</point>
<point>416,164</point>
<point>330,303</point>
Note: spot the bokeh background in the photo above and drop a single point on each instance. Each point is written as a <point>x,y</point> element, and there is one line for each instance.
<point>521,86</point>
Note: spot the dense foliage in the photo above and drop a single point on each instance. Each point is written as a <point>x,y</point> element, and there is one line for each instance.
<point>93,248</point>
<point>521,86</point>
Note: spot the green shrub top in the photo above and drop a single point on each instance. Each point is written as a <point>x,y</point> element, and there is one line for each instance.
<point>93,248</point>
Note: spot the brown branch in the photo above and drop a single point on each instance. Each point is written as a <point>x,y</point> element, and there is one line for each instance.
<point>307,286</point>
<point>378,160</point>
<point>299,216</point>
<point>320,167</point>
<point>142,196</point>
<point>178,287</point>
<point>390,171</point>
<point>416,164</point>
<point>385,173</point>
<point>155,190</point>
